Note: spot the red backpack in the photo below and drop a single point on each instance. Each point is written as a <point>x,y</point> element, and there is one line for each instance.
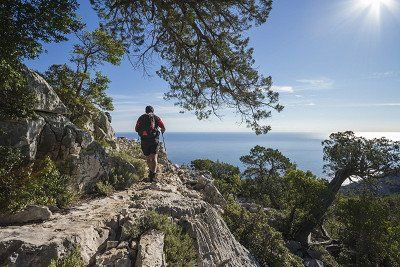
<point>148,128</point>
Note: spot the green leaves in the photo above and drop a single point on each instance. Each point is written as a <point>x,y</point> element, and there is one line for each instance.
<point>26,25</point>
<point>369,230</point>
<point>227,177</point>
<point>22,184</point>
<point>262,161</point>
<point>15,100</point>
<point>205,56</point>
<point>84,90</point>
<point>357,156</point>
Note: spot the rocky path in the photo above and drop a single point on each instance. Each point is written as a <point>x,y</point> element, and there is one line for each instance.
<point>180,194</point>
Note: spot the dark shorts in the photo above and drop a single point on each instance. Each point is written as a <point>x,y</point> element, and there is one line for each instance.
<point>149,147</point>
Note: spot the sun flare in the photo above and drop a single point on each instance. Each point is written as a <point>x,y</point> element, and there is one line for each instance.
<point>374,7</point>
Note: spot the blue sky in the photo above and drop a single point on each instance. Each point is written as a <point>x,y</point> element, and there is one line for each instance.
<point>336,65</point>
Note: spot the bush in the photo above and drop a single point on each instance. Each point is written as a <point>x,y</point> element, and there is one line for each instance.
<point>179,247</point>
<point>74,259</point>
<point>104,188</point>
<point>369,230</point>
<point>23,183</point>
<point>227,177</point>
<point>139,164</point>
<point>253,231</point>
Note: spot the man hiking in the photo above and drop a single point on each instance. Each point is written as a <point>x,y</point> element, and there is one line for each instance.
<point>147,127</point>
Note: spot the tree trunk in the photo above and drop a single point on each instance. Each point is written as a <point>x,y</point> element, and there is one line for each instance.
<point>316,216</point>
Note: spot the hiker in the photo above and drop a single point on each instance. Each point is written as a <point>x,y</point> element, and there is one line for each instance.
<point>147,127</point>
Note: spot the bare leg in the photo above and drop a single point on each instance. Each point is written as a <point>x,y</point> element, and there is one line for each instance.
<point>149,162</point>
<point>153,164</point>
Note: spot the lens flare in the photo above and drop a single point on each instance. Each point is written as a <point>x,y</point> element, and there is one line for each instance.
<point>374,7</point>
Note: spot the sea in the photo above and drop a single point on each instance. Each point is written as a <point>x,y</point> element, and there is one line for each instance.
<point>304,149</point>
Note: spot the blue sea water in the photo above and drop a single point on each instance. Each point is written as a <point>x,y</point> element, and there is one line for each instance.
<point>302,148</point>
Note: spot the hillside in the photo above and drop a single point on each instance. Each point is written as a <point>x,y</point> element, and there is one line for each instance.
<point>383,187</point>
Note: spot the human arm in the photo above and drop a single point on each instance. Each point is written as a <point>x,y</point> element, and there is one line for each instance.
<point>160,124</point>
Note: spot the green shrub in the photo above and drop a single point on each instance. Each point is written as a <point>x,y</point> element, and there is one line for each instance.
<point>227,177</point>
<point>179,247</point>
<point>74,259</point>
<point>104,188</point>
<point>23,183</point>
<point>369,230</point>
<point>139,164</point>
<point>253,231</point>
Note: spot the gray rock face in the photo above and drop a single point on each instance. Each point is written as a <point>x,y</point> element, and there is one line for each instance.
<point>90,225</point>
<point>150,251</point>
<point>116,257</point>
<point>91,166</point>
<point>48,100</point>
<point>60,138</point>
<point>32,213</point>
<point>23,134</point>
<point>103,130</point>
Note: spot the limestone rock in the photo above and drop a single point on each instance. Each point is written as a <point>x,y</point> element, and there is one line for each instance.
<point>111,244</point>
<point>116,257</point>
<point>150,251</point>
<point>103,130</point>
<point>48,100</point>
<point>91,166</point>
<point>23,134</point>
<point>32,213</point>
<point>88,226</point>
<point>91,224</point>
<point>60,138</point>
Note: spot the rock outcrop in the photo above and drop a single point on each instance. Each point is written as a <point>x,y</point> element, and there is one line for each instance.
<point>90,225</point>
<point>150,250</point>
<point>47,100</point>
<point>32,213</point>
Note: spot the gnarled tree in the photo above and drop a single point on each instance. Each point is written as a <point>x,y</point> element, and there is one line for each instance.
<point>349,156</point>
<point>206,58</point>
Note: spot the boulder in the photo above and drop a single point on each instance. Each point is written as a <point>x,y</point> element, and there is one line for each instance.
<point>151,250</point>
<point>48,100</point>
<point>103,130</point>
<point>60,138</point>
<point>116,257</point>
<point>32,213</point>
<point>91,166</point>
<point>23,134</point>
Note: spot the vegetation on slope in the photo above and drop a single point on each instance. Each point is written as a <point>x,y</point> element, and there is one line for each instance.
<point>299,203</point>
<point>23,183</point>
<point>179,247</point>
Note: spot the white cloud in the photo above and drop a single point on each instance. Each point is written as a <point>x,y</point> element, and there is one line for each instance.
<point>386,74</point>
<point>283,89</point>
<point>321,83</point>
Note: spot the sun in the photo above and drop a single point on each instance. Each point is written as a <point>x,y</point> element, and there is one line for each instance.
<point>374,7</point>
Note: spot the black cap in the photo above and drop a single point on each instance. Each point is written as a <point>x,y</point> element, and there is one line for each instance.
<point>149,109</point>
